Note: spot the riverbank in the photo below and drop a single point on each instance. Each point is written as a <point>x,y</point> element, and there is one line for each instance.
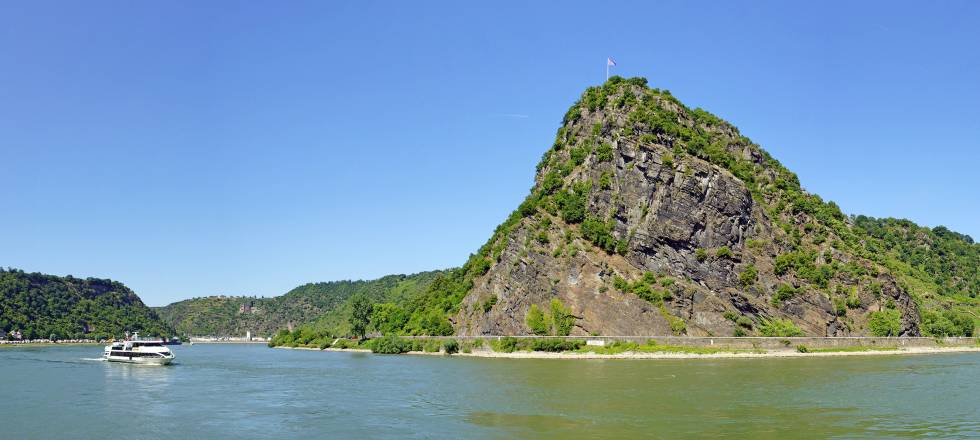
<point>676,352</point>
<point>49,344</point>
<point>717,355</point>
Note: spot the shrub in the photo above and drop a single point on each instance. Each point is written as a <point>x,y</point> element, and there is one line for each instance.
<point>489,303</point>
<point>561,318</point>
<point>947,323</point>
<point>605,180</point>
<point>621,284</point>
<point>802,348</point>
<point>604,153</point>
<point>701,254</point>
<point>388,344</point>
<point>344,344</point>
<point>599,233</point>
<point>578,154</point>
<point>450,346</point>
<point>748,276</point>
<point>730,315</point>
<point>571,205</point>
<point>779,328</point>
<point>783,293</point>
<point>506,344</point>
<point>840,307</point>
<point>887,322</point>
<point>744,322</point>
<point>535,321</point>
<point>431,345</point>
<point>723,252</point>
<point>853,301</point>
<point>556,345</point>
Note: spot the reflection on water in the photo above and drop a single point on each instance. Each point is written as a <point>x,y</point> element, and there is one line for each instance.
<point>235,391</point>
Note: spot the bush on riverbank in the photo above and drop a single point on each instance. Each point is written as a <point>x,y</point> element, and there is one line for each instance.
<point>651,346</point>
<point>389,345</point>
<point>509,344</point>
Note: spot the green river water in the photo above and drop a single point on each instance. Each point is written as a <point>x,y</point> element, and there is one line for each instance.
<point>251,391</point>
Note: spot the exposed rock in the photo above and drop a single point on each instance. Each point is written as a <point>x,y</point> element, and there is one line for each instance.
<point>682,216</point>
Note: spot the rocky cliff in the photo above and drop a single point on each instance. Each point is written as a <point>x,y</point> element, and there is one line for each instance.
<point>650,218</point>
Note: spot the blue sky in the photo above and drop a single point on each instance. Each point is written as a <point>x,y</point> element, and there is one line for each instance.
<point>190,149</point>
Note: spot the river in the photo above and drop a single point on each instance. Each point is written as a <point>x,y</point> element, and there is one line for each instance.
<point>251,391</point>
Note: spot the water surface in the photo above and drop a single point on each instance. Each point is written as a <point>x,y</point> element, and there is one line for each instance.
<point>250,391</point>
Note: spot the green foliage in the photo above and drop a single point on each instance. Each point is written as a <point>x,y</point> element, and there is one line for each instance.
<point>947,323</point>
<point>802,348</point>
<point>943,261</point>
<point>558,322</point>
<point>886,322</point>
<point>783,293</point>
<point>535,321</point>
<point>489,303</point>
<point>579,153</point>
<point>450,346</point>
<point>561,318</point>
<point>556,345</point>
<point>605,180</point>
<point>748,276</point>
<point>389,344</point>
<point>360,314</point>
<point>700,254</point>
<point>853,301</point>
<point>644,288</point>
<point>744,322</point>
<point>430,322</point>
<point>344,344</point>
<point>779,328</point>
<point>599,233</point>
<point>724,252</point>
<point>41,306</point>
<point>511,344</point>
<point>571,205</point>
<point>324,306</point>
<point>388,318</point>
<point>604,153</point>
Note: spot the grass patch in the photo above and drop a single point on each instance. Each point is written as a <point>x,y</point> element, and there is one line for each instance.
<point>510,345</point>
<point>652,346</point>
<point>858,348</point>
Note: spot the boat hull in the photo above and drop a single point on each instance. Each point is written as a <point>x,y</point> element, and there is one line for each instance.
<point>141,360</point>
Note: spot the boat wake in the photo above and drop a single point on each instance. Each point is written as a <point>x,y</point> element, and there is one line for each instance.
<point>94,359</point>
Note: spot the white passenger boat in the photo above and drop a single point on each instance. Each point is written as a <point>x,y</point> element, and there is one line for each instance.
<point>138,351</point>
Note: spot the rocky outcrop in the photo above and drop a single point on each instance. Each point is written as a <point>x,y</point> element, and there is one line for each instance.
<point>684,205</point>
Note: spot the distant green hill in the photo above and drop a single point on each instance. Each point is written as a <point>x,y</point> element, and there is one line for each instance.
<point>40,306</point>
<point>234,315</point>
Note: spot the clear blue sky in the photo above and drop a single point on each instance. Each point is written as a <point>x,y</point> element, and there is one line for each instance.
<point>198,148</point>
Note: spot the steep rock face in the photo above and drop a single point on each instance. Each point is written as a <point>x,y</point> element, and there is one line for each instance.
<point>648,218</point>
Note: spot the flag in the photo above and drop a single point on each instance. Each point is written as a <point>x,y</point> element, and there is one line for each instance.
<point>610,62</point>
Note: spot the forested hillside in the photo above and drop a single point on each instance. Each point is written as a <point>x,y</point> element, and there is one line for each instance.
<point>42,306</point>
<point>234,315</point>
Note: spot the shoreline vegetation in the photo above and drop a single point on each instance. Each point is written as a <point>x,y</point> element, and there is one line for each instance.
<point>573,348</point>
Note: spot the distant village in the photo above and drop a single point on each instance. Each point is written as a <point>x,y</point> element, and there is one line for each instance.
<point>16,337</point>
